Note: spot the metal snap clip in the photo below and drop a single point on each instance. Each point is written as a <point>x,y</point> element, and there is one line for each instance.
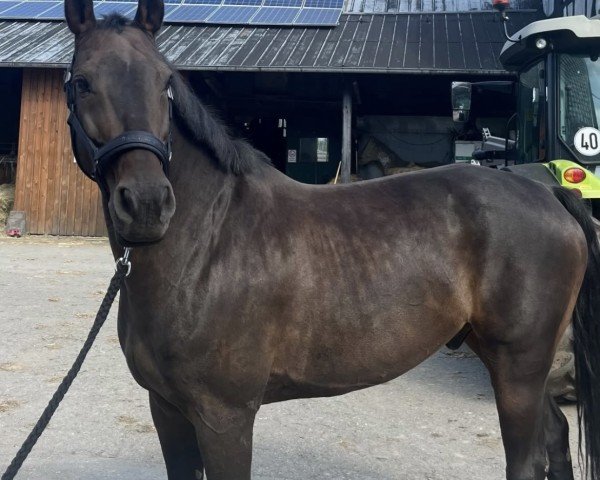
<point>124,260</point>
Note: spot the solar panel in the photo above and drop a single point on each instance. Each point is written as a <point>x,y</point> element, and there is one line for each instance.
<point>57,12</point>
<point>282,3</point>
<point>275,16</point>
<point>202,2</point>
<point>254,12</point>
<point>233,15</point>
<point>105,8</point>
<point>324,3</point>
<point>318,16</point>
<point>6,5</point>
<point>242,2</point>
<point>190,13</point>
<point>170,7</point>
<point>27,10</point>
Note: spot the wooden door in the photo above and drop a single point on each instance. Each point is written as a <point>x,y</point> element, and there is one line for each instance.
<point>57,198</point>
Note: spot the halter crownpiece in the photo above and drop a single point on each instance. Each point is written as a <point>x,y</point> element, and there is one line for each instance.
<point>103,156</point>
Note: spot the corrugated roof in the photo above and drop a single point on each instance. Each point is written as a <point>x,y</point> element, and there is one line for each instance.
<point>400,43</point>
<point>424,6</point>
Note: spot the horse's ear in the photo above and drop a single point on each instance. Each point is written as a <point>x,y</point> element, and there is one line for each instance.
<point>80,15</point>
<point>150,15</point>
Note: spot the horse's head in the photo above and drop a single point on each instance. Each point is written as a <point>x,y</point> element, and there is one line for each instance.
<point>119,96</point>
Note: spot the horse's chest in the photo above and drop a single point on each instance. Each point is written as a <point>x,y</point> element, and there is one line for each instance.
<point>143,355</point>
<point>165,361</point>
<point>142,363</point>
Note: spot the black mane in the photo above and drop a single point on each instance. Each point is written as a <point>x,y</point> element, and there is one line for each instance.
<point>205,128</point>
<point>200,124</point>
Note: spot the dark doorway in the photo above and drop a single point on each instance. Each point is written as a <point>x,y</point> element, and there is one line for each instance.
<point>10,99</point>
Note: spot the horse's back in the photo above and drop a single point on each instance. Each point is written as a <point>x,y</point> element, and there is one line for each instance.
<point>458,205</point>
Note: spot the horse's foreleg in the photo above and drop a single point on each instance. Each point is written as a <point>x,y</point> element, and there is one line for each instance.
<point>178,441</point>
<point>225,438</point>
<point>556,428</point>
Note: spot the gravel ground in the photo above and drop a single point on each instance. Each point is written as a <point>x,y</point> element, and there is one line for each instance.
<point>438,422</point>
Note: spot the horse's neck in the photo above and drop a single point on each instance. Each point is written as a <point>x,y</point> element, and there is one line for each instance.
<point>206,197</point>
<point>203,194</point>
<point>197,179</point>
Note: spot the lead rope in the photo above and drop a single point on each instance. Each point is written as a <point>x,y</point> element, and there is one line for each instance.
<point>122,270</point>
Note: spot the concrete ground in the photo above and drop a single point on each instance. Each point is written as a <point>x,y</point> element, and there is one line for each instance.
<point>438,422</point>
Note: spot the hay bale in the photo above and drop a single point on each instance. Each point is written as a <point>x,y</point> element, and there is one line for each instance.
<point>7,198</point>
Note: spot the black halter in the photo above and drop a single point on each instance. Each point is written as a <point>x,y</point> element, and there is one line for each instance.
<point>103,156</point>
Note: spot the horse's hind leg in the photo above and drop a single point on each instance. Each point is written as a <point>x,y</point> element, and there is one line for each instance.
<point>556,429</point>
<point>518,379</point>
<point>178,441</point>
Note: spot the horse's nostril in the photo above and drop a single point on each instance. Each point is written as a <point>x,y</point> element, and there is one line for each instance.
<point>126,204</point>
<point>128,201</point>
<point>167,204</point>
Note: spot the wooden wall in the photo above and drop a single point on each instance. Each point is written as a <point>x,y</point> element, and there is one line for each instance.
<point>58,199</point>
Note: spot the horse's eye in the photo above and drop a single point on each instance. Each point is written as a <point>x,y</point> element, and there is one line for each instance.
<point>169,84</point>
<point>81,86</point>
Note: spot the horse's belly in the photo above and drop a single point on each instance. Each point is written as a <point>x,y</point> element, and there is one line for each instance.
<point>336,362</point>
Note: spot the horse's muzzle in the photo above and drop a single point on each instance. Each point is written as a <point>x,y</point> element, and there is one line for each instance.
<point>141,212</point>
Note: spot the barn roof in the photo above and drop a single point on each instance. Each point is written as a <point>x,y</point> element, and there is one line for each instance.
<point>388,43</point>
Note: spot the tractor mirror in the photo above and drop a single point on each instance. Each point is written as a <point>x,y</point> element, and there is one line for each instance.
<point>461,101</point>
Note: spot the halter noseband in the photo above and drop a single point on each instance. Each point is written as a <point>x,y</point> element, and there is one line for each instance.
<point>103,156</point>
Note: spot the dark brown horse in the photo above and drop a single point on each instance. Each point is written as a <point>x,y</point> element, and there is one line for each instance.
<point>258,289</point>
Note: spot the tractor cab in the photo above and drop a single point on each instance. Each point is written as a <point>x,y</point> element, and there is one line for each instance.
<point>554,136</point>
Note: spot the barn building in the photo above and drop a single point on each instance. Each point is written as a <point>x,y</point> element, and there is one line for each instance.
<point>374,86</point>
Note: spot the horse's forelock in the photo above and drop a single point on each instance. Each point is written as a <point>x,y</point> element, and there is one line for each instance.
<point>115,21</point>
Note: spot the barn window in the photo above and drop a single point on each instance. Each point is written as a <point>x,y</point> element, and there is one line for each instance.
<point>314,150</point>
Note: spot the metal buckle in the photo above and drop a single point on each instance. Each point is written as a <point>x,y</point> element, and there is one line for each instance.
<point>124,260</point>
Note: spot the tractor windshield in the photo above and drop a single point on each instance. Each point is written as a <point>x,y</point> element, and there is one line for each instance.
<point>579,98</point>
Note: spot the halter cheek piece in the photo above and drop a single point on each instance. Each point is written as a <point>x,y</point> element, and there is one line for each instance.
<point>103,156</point>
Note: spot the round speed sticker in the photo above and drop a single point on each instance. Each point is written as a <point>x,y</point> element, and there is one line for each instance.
<point>587,141</point>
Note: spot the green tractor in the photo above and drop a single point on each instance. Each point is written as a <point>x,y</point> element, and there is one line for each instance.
<point>554,136</point>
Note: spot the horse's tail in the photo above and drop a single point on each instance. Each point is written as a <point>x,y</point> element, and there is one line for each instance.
<point>586,333</point>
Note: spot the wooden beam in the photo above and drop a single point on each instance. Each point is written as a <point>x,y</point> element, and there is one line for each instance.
<point>346,136</point>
